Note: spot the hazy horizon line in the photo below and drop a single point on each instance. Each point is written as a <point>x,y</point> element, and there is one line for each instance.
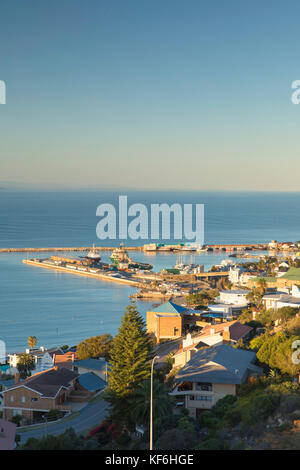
<point>29,188</point>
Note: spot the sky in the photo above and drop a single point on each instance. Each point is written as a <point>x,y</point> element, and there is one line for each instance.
<point>160,94</point>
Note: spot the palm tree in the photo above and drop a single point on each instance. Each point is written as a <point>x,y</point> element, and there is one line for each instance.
<point>32,340</point>
<point>140,402</point>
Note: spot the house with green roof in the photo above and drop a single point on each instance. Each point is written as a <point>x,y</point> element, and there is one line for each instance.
<point>289,278</point>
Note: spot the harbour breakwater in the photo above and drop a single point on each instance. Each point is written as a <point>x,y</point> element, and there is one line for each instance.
<point>62,249</point>
<point>100,276</point>
<point>150,248</point>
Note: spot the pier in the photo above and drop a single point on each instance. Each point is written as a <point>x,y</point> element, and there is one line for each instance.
<point>62,249</point>
<point>100,276</point>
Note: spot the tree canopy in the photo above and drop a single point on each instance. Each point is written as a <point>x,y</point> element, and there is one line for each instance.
<point>25,365</point>
<point>96,346</point>
<point>129,364</point>
<point>32,340</point>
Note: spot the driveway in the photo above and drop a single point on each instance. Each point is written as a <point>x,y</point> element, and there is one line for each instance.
<point>89,416</point>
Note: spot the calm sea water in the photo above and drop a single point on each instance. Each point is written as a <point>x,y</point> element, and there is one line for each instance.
<point>60,308</point>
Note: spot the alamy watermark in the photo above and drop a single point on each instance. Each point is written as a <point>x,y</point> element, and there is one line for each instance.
<point>296,94</point>
<point>182,221</point>
<point>2,92</point>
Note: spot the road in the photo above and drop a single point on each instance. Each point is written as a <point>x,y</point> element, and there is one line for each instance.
<point>89,416</point>
<point>163,350</point>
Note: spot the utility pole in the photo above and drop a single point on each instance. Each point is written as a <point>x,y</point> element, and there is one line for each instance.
<point>151,403</point>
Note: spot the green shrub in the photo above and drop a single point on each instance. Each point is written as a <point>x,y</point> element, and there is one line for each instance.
<point>123,439</point>
<point>211,444</point>
<point>233,416</point>
<point>16,419</point>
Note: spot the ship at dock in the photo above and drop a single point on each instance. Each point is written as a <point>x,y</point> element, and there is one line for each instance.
<point>120,260</point>
<point>93,255</point>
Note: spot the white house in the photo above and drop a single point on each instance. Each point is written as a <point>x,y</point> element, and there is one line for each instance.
<point>239,276</point>
<point>43,358</point>
<point>281,299</point>
<point>234,297</point>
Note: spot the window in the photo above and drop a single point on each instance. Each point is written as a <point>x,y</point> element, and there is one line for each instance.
<point>192,397</point>
<point>23,399</point>
<point>11,398</point>
<point>203,386</point>
<point>203,398</point>
<point>33,399</point>
<point>185,386</point>
<point>17,412</point>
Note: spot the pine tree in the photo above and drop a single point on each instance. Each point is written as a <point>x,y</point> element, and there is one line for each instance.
<point>129,365</point>
<point>130,354</point>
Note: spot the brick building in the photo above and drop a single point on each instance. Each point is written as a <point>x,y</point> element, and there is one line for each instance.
<point>39,394</point>
<point>166,321</point>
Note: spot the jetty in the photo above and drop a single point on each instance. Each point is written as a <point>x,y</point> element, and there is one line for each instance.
<point>110,277</point>
<point>69,248</point>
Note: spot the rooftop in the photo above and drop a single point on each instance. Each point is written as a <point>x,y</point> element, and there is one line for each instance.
<point>235,291</point>
<point>237,330</point>
<point>48,382</point>
<point>219,364</point>
<point>92,382</point>
<point>169,307</point>
<point>293,274</point>
<point>91,364</point>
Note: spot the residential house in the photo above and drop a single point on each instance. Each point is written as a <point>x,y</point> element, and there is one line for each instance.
<point>281,299</point>
<point>235,297</point>
<point>210,335</point>
<point>38,394</point>
<point>91,382</point>
<point>211,374</point>
<point>240,276</point>
<point>98,366</point>
<point>292,276</point>
<point>65,360</point>
<point>166,321</point>
<point>43,358</point>
<point>288,279</point>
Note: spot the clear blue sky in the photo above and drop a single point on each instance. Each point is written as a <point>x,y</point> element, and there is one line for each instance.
<point>154,94</point>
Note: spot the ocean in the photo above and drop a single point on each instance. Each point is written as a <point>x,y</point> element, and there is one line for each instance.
<point>60,308</point>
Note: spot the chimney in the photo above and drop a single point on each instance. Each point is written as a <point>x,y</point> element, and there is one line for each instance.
<point>226,334</point>
<point>212,331</point>
<point>17,378</point>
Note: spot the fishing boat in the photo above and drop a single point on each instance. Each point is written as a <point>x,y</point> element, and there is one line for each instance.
<point>120,259</point>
